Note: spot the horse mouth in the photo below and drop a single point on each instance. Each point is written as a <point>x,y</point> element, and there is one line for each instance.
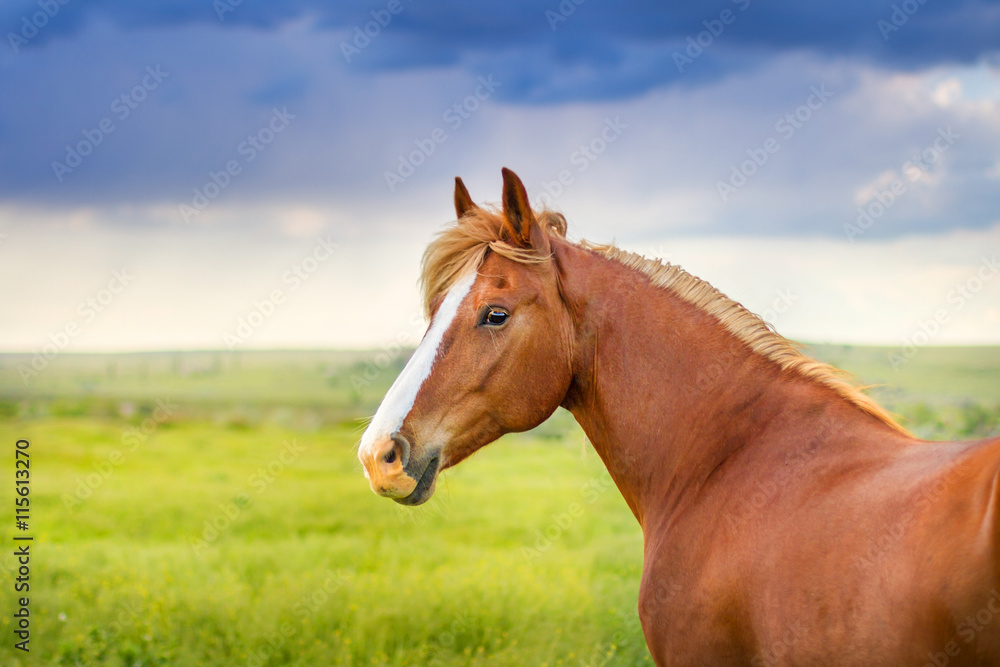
<point>424,489</point>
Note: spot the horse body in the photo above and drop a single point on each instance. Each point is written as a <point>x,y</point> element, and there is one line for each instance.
<point>780,522</point>
<point>876,554</point>
<point>787,520</point>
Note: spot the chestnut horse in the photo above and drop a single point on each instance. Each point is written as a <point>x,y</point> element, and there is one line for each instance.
<point>786,518</point>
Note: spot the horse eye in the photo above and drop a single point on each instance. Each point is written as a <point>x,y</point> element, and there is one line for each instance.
<point>495,317</point>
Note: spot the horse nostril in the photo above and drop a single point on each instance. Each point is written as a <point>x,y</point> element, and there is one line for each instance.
<point>403,445</point>
<point>391,456</point>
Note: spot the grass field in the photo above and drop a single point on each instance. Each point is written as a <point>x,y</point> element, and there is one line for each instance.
<point>208,508</point>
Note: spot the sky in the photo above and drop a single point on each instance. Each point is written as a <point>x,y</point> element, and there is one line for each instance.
<point>242,175</point>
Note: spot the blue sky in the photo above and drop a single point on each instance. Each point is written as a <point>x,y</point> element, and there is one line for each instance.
<point>845,154</point>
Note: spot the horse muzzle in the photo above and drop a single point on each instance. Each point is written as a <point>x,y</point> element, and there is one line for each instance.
<point>394,473</point>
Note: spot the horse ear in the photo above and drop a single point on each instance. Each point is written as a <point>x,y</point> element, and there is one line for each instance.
<point>463,202</point>
<point>519,219</point>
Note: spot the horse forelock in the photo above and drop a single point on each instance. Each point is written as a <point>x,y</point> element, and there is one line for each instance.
<point>463,246</point>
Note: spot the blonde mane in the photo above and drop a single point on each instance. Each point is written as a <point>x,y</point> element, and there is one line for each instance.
<point>463,246</point>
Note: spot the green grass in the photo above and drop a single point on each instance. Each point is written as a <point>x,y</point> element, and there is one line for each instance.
<point>210,540</point>
<point>309,567</point>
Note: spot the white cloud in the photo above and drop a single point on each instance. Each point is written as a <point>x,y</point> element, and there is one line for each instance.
<point>872,293</point>
<point>193,285</point>
<point>947,92</point>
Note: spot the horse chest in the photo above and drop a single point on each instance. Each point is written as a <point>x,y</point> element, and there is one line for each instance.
<point>687,621</point>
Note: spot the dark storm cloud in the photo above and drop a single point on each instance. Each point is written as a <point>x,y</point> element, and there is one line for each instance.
<point>71,67</point>
<point>594,43</point>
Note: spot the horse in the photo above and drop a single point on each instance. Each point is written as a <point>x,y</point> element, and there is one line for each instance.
<point>787,518</point>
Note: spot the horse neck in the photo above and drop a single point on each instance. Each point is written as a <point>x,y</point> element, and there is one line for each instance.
<point>663,391</point>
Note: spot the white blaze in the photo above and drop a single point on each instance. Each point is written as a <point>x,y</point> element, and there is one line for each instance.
<point>399,399</point>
